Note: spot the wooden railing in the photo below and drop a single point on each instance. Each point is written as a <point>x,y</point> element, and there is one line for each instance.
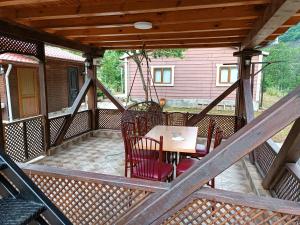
<point>89,198</point>
<point>264,156</point>
<point>111,119</point>
<point>24,139</point>
<point>80,124</point>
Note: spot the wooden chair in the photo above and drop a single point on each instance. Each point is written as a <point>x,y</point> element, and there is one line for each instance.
<point>202,150</point>
<point>128,129</point>
<point>142,125</point>
<point>143,163</point>
<point>185,164</point>
<point>177,119</point>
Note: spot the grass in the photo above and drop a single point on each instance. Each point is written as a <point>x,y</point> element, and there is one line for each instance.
<point>268,101</point>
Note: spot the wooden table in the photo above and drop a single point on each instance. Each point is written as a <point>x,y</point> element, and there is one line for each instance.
<point>187,145</point>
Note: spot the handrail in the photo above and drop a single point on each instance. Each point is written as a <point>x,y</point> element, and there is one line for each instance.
<point>23,120</point>
<point>151,186</point>
<point>238,145</point>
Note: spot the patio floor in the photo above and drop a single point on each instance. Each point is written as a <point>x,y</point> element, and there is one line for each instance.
<point>103,153</point>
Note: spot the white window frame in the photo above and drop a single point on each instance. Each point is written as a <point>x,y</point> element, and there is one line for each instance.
<point>218,84</point>
<point>172,67</point>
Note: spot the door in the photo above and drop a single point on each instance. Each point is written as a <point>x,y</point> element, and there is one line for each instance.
<point>28,92</point>
<point>73,84</point>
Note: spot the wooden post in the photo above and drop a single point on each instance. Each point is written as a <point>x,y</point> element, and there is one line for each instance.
<point>289,153</point>
<point>92,92</point>
<point>43,94</point>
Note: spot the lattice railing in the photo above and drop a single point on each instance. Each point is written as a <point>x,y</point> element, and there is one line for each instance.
<point>24,139</point>
<point>209,206</point>
<point>90,198</point>
<point>264,155</point>
<point>288,185</point>
<point>81,124</point>
<point>111,119</point>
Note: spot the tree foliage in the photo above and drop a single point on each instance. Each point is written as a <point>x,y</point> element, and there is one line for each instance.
<point>293,34</point>
<point>284,74</point>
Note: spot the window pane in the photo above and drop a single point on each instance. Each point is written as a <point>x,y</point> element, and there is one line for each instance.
<point>233,75</point>
<point>167,76</point>
<point>157,76</point>
<point>224,75</point>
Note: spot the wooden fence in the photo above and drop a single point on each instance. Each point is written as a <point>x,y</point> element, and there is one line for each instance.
<point>111,119</point>
<point>89,198</point>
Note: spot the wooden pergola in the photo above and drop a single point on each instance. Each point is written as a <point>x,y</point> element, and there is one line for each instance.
<point>94,26</point>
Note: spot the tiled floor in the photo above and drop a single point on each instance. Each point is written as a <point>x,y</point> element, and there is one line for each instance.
<point>103,153</point>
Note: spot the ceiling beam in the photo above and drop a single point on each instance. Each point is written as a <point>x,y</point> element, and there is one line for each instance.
<point>166,46</point>
<point>116,7</point>
<point>23,32</point>
<point>276,14</point>
<point>169,36</point>
<point>174,17</point>
<point>179,28</point>
<point>4,3</point>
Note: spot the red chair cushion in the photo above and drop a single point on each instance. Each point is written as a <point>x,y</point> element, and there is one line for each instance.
<point>184,165</point>
<point>139,171</point>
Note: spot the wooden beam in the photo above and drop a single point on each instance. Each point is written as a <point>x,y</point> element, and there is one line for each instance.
<point>237,146</point>
<point>44,95</point>
<point>73,110</point>
<point>248,100</point>
<point>174,41</point>
<point>189,27</point>
<point>166,46</point>
<point>196,118</point>
<point>116,7</point>
<point>171,17</point>
<point>23,32</point>
<point>169,36</point>
<point>289,153</point>
<point>107,93</point>
<point>5,3</point>
<point>278,12</point>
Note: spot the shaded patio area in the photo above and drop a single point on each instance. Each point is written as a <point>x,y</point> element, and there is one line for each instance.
<point>103,152</point>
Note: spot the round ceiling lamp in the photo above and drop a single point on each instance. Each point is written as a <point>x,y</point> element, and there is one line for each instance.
<point>143,25</point>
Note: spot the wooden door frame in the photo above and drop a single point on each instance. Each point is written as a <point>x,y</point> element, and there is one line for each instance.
<point>68,82</point>
<point>37,89</point>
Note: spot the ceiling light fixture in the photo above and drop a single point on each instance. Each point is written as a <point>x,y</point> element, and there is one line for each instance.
<point>143,25</point>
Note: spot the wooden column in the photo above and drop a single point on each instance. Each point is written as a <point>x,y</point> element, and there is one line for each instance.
<point>244,100</point>
<point>43,94</point>
<point>92,92</point>
<point>289,153</point>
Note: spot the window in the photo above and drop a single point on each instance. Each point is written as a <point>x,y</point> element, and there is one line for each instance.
<point>226,75</point>
<point>163,75</point>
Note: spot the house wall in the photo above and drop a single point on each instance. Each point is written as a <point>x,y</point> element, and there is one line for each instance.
<point>57,85</point>
<point>194,77</point>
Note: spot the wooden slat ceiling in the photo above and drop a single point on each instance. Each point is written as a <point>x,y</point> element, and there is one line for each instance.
<point>176,23</point>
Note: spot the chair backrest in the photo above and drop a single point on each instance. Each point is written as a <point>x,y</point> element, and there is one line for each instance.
<point>144,162</point>
<point>218,137</point>
<point>210,131</point>
<point>177,119</point>
<point>128,129</point>
<point>142,125</point>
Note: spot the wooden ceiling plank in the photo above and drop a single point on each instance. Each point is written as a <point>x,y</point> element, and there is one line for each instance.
<point>177,46</point>
<point>173,41</point>
<point>276,14</point>
<point>5,3</point>
<point>184,16</point>
<point>32,34</point>
<point>168,36</point>
<point>189,27</point>
<point>116,7</point>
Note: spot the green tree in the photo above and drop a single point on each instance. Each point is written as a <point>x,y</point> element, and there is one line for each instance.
<point>283,74</point>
